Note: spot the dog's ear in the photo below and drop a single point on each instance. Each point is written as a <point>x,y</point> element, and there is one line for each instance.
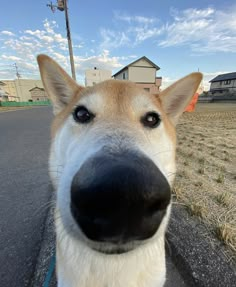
<point>175,98</point>
<point>59,86</point>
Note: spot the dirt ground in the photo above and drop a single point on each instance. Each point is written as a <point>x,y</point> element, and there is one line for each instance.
<point>206,177</point>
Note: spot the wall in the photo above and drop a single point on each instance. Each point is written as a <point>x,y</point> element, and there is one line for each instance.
<point>142,74</point>
<point>151,88</point>
<point>93,77</point>
<point>123,75</point>
<point>142,63</point>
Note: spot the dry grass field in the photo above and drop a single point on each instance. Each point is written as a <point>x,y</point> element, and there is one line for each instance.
<point>206,178</point>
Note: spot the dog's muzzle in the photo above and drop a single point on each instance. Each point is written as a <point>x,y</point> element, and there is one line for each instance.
<point>119,198</point>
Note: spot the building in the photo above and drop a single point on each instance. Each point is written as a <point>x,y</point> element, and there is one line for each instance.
<point>95,76</point>
<point>38,94</point>
<point>143,73</point>
<point>3,94</point>
<point>223,84</point>
<point>19,89</point>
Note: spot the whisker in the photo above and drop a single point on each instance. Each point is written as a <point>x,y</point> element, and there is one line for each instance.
<point>44,207</point>
<point>168,246</point>
<point>162,151</point>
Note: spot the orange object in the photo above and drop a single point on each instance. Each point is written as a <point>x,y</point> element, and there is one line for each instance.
<point>191,106</point>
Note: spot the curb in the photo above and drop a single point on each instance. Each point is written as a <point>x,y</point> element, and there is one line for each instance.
<point>199,263</point>
<point>46,253</point>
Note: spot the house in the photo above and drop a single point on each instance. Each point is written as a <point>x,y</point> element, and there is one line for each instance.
<point>38,94</point>
<point>143,73</point>
<point>95,76</point>
<point>223,84</point>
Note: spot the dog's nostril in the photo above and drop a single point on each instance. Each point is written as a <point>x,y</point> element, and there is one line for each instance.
<point>100,221</point>
<point>156,206</point>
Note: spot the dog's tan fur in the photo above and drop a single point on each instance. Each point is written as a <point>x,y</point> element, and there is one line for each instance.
<point>118,106</point>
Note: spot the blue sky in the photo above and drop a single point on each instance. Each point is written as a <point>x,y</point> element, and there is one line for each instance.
<point>179,36</point>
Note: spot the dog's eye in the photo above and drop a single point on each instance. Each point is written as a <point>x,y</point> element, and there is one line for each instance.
<point>151,120</point>
<point>82,115</point>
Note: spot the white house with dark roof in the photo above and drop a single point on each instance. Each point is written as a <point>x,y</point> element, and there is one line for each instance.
<point>224,83</point>
<point>143,73</point>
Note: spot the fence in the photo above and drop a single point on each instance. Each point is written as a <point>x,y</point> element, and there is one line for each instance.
<point>23,104</point>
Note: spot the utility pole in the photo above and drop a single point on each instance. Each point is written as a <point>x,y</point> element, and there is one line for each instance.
<point>62,6</point>
<point>18,75</point>
<point>17,71</point>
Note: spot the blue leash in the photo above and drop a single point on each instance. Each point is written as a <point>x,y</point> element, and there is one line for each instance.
<point>50,271</point>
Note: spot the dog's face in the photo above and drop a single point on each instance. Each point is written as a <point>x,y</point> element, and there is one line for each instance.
<point>113,157</point>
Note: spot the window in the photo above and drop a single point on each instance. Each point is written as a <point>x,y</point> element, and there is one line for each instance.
<point>147,89</point>
<point>123,75</point>
<point>227,82</point>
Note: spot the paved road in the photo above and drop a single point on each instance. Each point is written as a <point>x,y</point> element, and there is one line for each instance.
<point>24,145</point>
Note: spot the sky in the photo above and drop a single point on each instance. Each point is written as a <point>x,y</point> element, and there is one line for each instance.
<point>179,36</point>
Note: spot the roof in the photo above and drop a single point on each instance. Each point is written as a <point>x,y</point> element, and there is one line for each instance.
<point>142,58</point>
<point>224,77</point>
<point>36,88</point>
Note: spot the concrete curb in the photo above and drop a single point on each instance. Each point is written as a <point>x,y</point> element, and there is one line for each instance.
<point>197,260</point>
<point>46,252</point>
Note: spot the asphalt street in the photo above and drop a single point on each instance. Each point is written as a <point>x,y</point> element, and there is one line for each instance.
<point>24,190</point>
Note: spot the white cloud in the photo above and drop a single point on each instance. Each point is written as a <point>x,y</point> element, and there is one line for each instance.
<point>101,61</point>
<point>23,48</point>
<point>167,81</point>
<point>113,39</point>
<point>144,33</point>
<point>201,30</point>
<point>8,33</point>
<point>37,33</point>
<point>135,18</point>
<point>10,58</point>
<point>133,30</point>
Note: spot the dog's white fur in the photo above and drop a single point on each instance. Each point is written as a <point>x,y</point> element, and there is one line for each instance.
<point>116,127</point>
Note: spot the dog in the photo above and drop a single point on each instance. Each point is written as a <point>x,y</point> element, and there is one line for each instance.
<point>112,163</point>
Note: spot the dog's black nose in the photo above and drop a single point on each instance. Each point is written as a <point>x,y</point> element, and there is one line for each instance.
<point>119,198</point>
